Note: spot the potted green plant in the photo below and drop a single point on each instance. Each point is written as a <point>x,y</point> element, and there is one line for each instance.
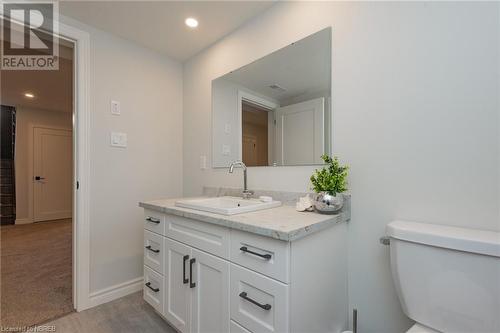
<point>329,184</point>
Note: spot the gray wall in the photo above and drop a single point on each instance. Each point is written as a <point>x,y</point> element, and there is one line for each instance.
<point>415,103</point>
<point>148,86</point>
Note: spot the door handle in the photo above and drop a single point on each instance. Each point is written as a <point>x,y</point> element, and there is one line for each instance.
<point>244,295</point>
<point>265,256</point>
<point>184,279</point>
<point>151,249</point>
<point>191,283</point>
<point>153,289</point>
<point>39,178</point>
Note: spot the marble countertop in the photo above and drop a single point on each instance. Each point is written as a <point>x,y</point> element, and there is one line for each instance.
<point>283,223</point>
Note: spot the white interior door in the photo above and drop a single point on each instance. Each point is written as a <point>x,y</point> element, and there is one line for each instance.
<point>210,298</point>
<point>300,133</point>
<point>53,174</point>
<point>177,291</point>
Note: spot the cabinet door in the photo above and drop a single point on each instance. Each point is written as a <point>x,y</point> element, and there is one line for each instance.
<point>210,295</point>
<point>177,291</point>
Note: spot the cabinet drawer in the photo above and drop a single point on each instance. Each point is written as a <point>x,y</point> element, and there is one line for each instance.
<point>204,236</point>
<point>257,302</point>
<point>153,289</point>
<point>236,328</point>
<point>154,221</point>
<point>154,251</point>
<point>265,255</point>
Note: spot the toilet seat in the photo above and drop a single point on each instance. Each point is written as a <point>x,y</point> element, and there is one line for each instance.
<point>418,328</point>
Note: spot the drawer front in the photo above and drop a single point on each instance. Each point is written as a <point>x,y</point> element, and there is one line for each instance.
<point>204,236</point>
<point>257,302</point>
<point>154,221</point>
<point>236,328</point>
<point>154,251</point>
<point>153,289</point>
<point>265,255</point>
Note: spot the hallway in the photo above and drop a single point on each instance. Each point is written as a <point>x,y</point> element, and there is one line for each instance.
<point>36,272</point>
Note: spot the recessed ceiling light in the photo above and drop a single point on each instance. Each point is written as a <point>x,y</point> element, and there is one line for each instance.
<point>191,22</point>
<point>29,95</point>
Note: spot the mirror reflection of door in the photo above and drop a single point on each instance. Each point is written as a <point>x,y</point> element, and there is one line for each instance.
<point>300,131</point>
<point>250,150</point>
<point>255,134</point>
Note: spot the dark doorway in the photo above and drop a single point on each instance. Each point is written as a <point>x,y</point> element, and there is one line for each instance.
<point>7,175</point>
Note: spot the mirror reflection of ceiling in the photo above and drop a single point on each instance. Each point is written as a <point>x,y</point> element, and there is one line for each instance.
<point>52,89</point>
<point>305,73</point>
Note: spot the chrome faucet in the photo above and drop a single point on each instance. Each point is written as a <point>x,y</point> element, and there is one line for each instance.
<point>246,192</point>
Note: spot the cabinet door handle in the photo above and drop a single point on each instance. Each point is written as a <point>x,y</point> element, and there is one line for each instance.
<point>153,289</point>
<point>265,256</point>
<point>244,295</point>
<point>191,283</point>
<point>184,279</point>
<point>152,220</point>
<point>151,249</point>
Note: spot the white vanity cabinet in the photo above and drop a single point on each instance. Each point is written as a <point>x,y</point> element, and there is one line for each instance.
<point>196,293</point>
<point>206,277</point>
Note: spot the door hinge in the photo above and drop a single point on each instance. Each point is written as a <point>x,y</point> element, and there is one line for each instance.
<point>77,184</point>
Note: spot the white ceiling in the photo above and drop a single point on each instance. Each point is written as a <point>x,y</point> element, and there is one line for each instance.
<point>303,69</point>
<point>159,25</point>
<point>53,89</point>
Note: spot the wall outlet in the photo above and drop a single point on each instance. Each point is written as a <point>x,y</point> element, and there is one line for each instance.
<point>226,150</point>
<point>115,108</point>
<point>118,139</point>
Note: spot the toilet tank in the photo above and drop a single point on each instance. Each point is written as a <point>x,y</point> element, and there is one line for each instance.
<point>447,278</point>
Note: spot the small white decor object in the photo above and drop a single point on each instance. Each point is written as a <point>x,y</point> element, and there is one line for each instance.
<point>304,204</point>
<point>265,198</point>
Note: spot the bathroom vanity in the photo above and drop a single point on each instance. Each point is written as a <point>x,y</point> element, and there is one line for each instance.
<point>273,270</point>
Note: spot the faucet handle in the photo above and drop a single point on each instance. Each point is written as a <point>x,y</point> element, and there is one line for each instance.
<point>247,194</point>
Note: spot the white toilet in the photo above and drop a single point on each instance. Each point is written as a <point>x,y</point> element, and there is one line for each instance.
<point>447,278</point>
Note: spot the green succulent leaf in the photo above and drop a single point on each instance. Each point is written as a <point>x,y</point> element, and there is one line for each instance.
<point>332,178</point>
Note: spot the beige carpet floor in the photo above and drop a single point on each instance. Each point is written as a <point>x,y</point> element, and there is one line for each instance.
<point>36,272</point>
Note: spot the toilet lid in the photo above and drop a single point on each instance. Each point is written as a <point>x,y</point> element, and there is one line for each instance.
<point>417,328</point>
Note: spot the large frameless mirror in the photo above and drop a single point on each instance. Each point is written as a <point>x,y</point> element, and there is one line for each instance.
<point>276,111</point>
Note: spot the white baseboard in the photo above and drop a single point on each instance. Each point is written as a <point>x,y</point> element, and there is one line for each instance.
<point>114,292</point>
<point>24,221</point>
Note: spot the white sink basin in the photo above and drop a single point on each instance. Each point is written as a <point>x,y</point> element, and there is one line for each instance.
<point>226,205</point>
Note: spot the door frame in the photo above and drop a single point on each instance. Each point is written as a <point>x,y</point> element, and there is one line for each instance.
<point>81,160</point>
<point>81,164</point>
<point>244,95</point>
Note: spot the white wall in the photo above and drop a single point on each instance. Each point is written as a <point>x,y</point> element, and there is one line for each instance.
<point>149,87</point>
<point>26,119</point>
<point>415,103</point>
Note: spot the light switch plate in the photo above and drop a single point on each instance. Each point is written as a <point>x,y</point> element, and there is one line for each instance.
<point>227,128</point>
<point>115,108</point>
<point>118,139</point>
